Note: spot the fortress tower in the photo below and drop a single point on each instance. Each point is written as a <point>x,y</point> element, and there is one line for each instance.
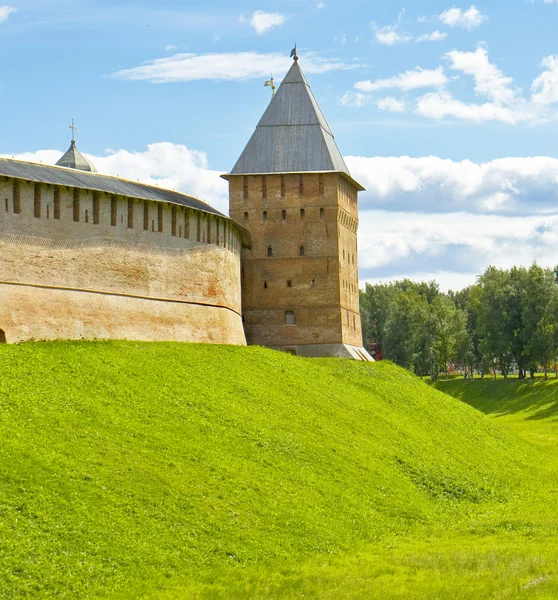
<point>292,190</point>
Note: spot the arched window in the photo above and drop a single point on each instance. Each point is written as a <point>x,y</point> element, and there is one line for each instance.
<point>301,251</point>
<point>246,216</point>
<point>302,213</point>
<point>2,337</point>
<point>284,215</point>
<point>265,215</point>
<point>265,285</point>
<point>322,213</point>
<point>289,283</point>
<point>269,251</point>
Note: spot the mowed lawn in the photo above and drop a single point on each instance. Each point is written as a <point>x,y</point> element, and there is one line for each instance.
<point>190,471</point>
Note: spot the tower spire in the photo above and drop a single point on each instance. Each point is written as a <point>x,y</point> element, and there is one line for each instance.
<point>72,158</point>
<point>74,129</point>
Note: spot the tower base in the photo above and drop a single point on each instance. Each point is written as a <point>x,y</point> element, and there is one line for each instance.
<point>327,350</point>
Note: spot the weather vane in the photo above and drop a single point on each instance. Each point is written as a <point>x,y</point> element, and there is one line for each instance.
<point>269,83</point>
<point>293,53</point>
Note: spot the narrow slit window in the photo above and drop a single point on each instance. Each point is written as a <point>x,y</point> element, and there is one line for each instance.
<point>113,210</point>
<point>160,218</point>
<point>76,205</point>
<point>130,213</point>
<point>301,250</point>
<point>37,200</point>
<point>289,317</point>
<point>96,208</point>
<point>173,221</point>
<point>265,215</point>
<point>187,224</point>
<point>245,187</point>
<point>321,184</point>
<point>313,282</point>
<point>269,251</point>
<point>289,283</point>
<point>284,215</point>
<point>302,213</point>
<point>301,185</point>
<point>322,213</point>
<point>264,187</point>
<point>265,285</point>
<point>282,186</point>
<point>246,216</point>
<point>145,215</point>
<point>56,202</point>
<point>7,209</point>
<point>16,190</point>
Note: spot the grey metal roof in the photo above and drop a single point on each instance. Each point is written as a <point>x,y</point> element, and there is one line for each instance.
<point>27,171</point>
<point>102,183</point>
<point>292,136</point>
<point>74,159</point>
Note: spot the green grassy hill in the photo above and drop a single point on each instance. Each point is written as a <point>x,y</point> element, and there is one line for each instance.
<point>173,470</point>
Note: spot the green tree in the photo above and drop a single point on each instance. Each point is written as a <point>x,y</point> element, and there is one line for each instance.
<point>539,318</point>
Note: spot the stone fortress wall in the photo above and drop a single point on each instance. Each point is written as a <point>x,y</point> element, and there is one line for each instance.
<point>85,264</point>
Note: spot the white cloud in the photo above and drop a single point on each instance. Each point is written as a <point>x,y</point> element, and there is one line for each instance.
<point>438,105</point>
<point>171,166</point>
<point>435,36</point>
<point>505,102</point>
<point>391,104</point>
<point>170,48</point>
<point>5,12</point>
<point>456,17</point>
<point>451,248</point>
<point>430,218</point>
<point>389,35</point>
<point>263,21</point>
<point>489,80</point>
<point>355,99</point>
<point>320,6</point>
<point>226,66</point>
<point>409,80</point>
<point>545,87</point>
<point>507,186</point>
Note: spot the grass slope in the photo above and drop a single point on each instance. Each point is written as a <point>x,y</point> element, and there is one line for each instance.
<point>175,470</point>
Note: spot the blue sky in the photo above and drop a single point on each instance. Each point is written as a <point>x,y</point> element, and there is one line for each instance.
<point>446,112</point>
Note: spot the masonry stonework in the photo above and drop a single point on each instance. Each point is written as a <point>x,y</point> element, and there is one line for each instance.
<point>84,264</point>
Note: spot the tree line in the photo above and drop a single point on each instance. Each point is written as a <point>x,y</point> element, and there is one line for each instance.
<point>507,321</point>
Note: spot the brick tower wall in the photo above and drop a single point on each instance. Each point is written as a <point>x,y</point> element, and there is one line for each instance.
<point>300,228</point>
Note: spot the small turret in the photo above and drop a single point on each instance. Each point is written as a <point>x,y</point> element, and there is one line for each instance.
<point>73,158</point>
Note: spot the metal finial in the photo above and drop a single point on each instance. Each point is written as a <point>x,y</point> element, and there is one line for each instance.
<point>74,129</point>
<point>269,83</point>
<point>293,53</point>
